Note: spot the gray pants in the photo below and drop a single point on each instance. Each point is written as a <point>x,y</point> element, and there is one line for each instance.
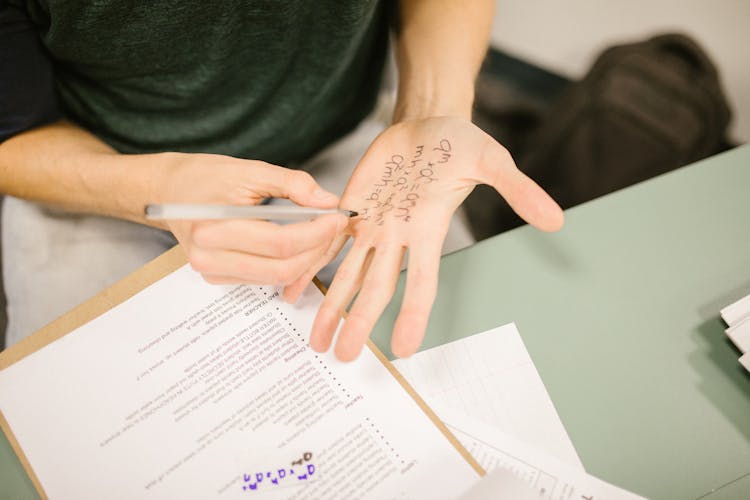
<point>55,260</point>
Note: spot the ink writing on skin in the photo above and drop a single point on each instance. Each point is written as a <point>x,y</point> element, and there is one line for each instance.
<point>401,186</point>
<point>299,470</point>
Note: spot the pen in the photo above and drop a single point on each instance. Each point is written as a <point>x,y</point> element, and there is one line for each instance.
<point>269,212</point>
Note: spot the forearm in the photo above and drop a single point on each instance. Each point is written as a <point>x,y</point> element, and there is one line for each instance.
<point>440,47</point>
<point>65,166</point>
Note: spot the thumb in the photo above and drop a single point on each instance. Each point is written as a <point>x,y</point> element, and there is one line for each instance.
<point>296,185</point>
<point>523,195</point>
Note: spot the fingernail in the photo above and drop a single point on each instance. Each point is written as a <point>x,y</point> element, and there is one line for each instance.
<point>324,195</point>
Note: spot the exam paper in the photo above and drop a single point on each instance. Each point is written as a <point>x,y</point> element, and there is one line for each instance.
<point>549,477</point>
<point>490,376</point>
<point>189,390</point>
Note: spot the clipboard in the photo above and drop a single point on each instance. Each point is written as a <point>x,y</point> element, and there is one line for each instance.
<point>128,287</point>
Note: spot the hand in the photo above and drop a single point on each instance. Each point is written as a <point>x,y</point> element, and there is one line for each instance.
<point>406,188</point>
<point>244,250</point>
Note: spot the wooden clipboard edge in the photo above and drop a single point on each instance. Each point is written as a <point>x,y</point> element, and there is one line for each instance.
<point>417,398</point>
<point>426,408</point>
<point>129,286</point>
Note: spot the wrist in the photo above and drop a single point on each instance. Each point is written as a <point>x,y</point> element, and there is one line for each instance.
<point>418,107</point>
<point>157,169</point>
<point>135,181</point>
<point>439,95</point>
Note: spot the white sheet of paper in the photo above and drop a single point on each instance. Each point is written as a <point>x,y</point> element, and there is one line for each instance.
<point>550,477</point>
<point>189,390</point>
<point>490,376</point>
<point>736,311</point>
<point>745,361</point>
<point>739,334</point>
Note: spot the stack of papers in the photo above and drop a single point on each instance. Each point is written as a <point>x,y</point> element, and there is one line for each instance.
<point>187,390</point>
<point>737,318</point>
<point>487,391</point>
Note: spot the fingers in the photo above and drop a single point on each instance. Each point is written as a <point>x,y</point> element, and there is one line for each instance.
<point>297,185</point>
<point>419,295</point>
<point>524,195</point>
<point>377,289</point>
<point>345,284</point>
<point>267,239</point>
<point>227,266</point>
<point>212,279</point>
<point>260,252</point>
<point>294,290</point>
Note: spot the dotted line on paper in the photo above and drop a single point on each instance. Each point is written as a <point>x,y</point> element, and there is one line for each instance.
<point>385,441</point>
<point>317,356</point>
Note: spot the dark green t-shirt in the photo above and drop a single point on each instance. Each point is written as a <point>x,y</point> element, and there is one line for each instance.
<point>269,80</point>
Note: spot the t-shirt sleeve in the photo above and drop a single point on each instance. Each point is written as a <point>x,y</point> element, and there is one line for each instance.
<point>27,92</point>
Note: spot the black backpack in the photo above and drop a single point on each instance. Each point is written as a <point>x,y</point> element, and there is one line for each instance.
<point>642,110</point>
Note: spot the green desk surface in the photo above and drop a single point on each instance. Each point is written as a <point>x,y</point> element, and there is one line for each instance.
<point>620,312</point>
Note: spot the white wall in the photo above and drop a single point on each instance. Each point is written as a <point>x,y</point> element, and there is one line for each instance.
<point>565,36</point>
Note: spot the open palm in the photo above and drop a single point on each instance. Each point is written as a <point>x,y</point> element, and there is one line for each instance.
<point>405,189</point>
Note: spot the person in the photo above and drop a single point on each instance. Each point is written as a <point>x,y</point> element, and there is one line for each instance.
<point>109,106</point>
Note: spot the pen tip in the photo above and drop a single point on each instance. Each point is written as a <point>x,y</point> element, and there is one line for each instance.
<point>352,213</point>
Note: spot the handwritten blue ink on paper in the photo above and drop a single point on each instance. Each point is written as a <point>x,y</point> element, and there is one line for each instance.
<point>281,476</point>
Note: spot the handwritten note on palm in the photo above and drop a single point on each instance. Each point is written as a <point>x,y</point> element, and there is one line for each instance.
<point>406,188</point>
<point>397,193</point>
